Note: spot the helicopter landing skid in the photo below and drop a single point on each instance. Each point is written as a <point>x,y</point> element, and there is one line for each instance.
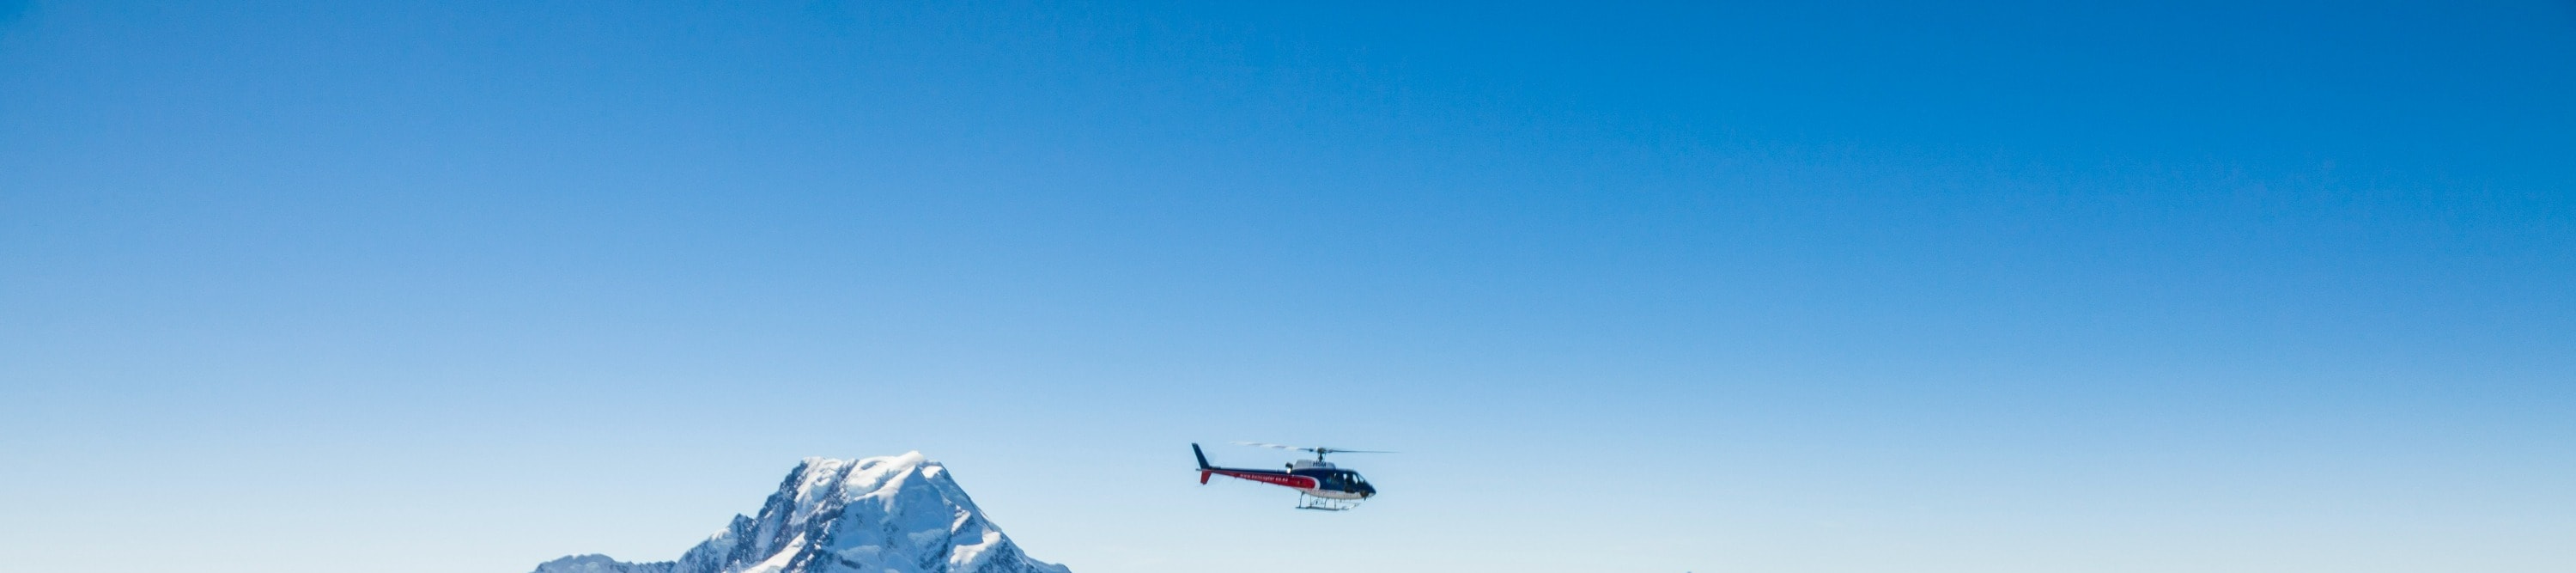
<point>1325,504</point>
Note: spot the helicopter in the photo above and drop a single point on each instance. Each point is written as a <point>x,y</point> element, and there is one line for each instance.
<point>1320,485</point>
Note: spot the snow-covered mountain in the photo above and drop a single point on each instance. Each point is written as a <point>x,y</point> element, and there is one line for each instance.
<point>895,514</point>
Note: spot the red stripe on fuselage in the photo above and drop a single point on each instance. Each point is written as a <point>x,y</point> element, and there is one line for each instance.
<point>1272,478</point>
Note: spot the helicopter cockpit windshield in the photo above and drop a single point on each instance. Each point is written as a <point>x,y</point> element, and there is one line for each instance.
<point>1342,480</point>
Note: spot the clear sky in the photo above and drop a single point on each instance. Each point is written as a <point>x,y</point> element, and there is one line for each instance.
<point>1842,287</point>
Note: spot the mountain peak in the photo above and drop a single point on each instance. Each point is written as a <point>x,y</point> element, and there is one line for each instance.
<point>890,514</point>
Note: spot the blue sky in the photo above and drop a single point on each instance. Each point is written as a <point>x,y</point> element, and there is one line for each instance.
<point>1840,287</point>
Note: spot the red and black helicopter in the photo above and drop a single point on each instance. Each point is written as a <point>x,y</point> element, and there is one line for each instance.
<point>1319,484</point>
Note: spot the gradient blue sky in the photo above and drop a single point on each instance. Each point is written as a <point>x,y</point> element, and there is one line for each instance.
<point>1843,287</point>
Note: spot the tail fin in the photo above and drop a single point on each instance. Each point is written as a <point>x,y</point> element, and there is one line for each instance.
<point>1203,465</point>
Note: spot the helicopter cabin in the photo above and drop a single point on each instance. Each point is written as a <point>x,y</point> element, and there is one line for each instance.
<point>1330,478</point>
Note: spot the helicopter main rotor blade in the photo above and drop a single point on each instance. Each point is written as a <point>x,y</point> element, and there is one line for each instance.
<point>1317,450</point>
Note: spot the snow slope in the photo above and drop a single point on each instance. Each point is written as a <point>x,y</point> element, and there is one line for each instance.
<point>895,514</point>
